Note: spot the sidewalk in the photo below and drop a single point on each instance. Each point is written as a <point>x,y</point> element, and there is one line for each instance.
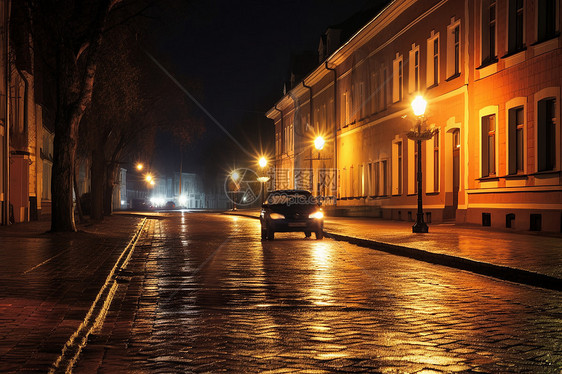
<point>515,256</point>
<point>49,281</point>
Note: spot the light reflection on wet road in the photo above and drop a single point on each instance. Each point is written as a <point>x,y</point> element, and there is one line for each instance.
<point>206,295</point>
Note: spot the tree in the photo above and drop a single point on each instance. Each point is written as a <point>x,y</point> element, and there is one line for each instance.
<point>68,35</point>
<point>130,102</point>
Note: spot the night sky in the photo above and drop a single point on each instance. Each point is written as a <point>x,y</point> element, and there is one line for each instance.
<point>234,57</point>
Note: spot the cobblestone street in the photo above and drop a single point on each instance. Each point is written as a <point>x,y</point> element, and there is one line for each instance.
<point>202,293</point>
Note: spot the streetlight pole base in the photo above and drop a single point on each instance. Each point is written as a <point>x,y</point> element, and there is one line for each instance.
<point>420,226</point>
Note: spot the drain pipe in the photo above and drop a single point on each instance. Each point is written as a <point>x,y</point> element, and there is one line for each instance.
<point>311,110</point>
<point>282,139</point>
<point>335,130</point>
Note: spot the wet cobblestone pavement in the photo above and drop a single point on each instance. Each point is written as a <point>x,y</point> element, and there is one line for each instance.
<point>47,284</point>
<point>202,293</point>
<point>523,250</point>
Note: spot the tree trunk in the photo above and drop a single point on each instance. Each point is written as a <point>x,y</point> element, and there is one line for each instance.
<point>98,183</point>
<point>61,182</point>
<point>74,93</point>
<point>77,193</point>
<point>109,185</point>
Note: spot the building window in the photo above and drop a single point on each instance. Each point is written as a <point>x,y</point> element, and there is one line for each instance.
<point>397,79</point>
<point>453,50</point>
<point>384,89</point>
<point>362,100</point>
<point>516,140</point>
<point>546,25</point>
<point>436,162</point>
<point>489,145</point>
<point>414,73</point>
<point>374,93</point>
<point>375,179</point>
<point>351,182</point>
<point>412,167</point>
<point>433,61</point>
<point>397,168</point>
<point>488,31</point>
<point>362,181</point>
<point>383,173</point>
<point>515,26</point>
<point>345,108</point>
<point>546,132</point>
<point>369,180</point>
<point>436,61</point>
<point>416,155</point>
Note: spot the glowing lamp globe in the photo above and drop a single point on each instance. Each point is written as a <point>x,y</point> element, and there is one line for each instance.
<point>319,143</point>
<point>418,105</point>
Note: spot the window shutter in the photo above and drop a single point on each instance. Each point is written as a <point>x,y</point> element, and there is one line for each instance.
<point>541,25</point>
<point>541,135</point>
<point>512,132</point>
<point>512,19</point>
<point>484,132</point>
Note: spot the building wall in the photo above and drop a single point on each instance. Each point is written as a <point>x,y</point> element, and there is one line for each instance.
<point>376,162</point>
<point>517,78</point>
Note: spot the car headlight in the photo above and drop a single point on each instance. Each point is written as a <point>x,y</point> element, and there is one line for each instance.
<point>276,216</point>
<point>316,215</point>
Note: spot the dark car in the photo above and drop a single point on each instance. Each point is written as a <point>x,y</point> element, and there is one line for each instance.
<point>170,205</point>
<point>291,211</point>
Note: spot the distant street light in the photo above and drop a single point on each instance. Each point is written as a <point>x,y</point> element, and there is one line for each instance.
<point>418,106</point>
<point>140,166</point>
<point>262,162</point>
<point>234,176</point>
<point>148,178</point>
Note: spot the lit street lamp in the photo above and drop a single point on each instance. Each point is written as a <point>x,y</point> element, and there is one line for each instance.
<point>319,144</point>
<point>263,179</point>
<point>140,166</point>
<point>234,176</point>
<point>419,105</point>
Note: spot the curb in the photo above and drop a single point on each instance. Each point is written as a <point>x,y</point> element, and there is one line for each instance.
<point>510,274</point>
<point>483,268</point>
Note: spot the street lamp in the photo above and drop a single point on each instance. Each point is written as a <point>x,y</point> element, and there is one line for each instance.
<point>419,105</point>
<point>234,176</point>
<point>263,179</point>
<point>319,144</point>
<point>140,166</point>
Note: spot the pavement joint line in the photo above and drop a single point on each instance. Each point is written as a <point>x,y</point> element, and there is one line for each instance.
<point>78,340</point>
<point>47,260</point>
<point>501,272</point>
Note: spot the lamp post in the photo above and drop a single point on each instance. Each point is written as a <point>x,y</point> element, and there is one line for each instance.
<point>319,144</point>
<point>234,176</point>
<point>262,179</point>
<point>419,105</point>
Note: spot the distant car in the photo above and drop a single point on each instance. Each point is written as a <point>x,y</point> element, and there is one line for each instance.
<point>291,211</point>
<point>170,205</point>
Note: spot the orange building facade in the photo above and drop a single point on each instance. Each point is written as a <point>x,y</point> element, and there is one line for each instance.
<point>491,74</point>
